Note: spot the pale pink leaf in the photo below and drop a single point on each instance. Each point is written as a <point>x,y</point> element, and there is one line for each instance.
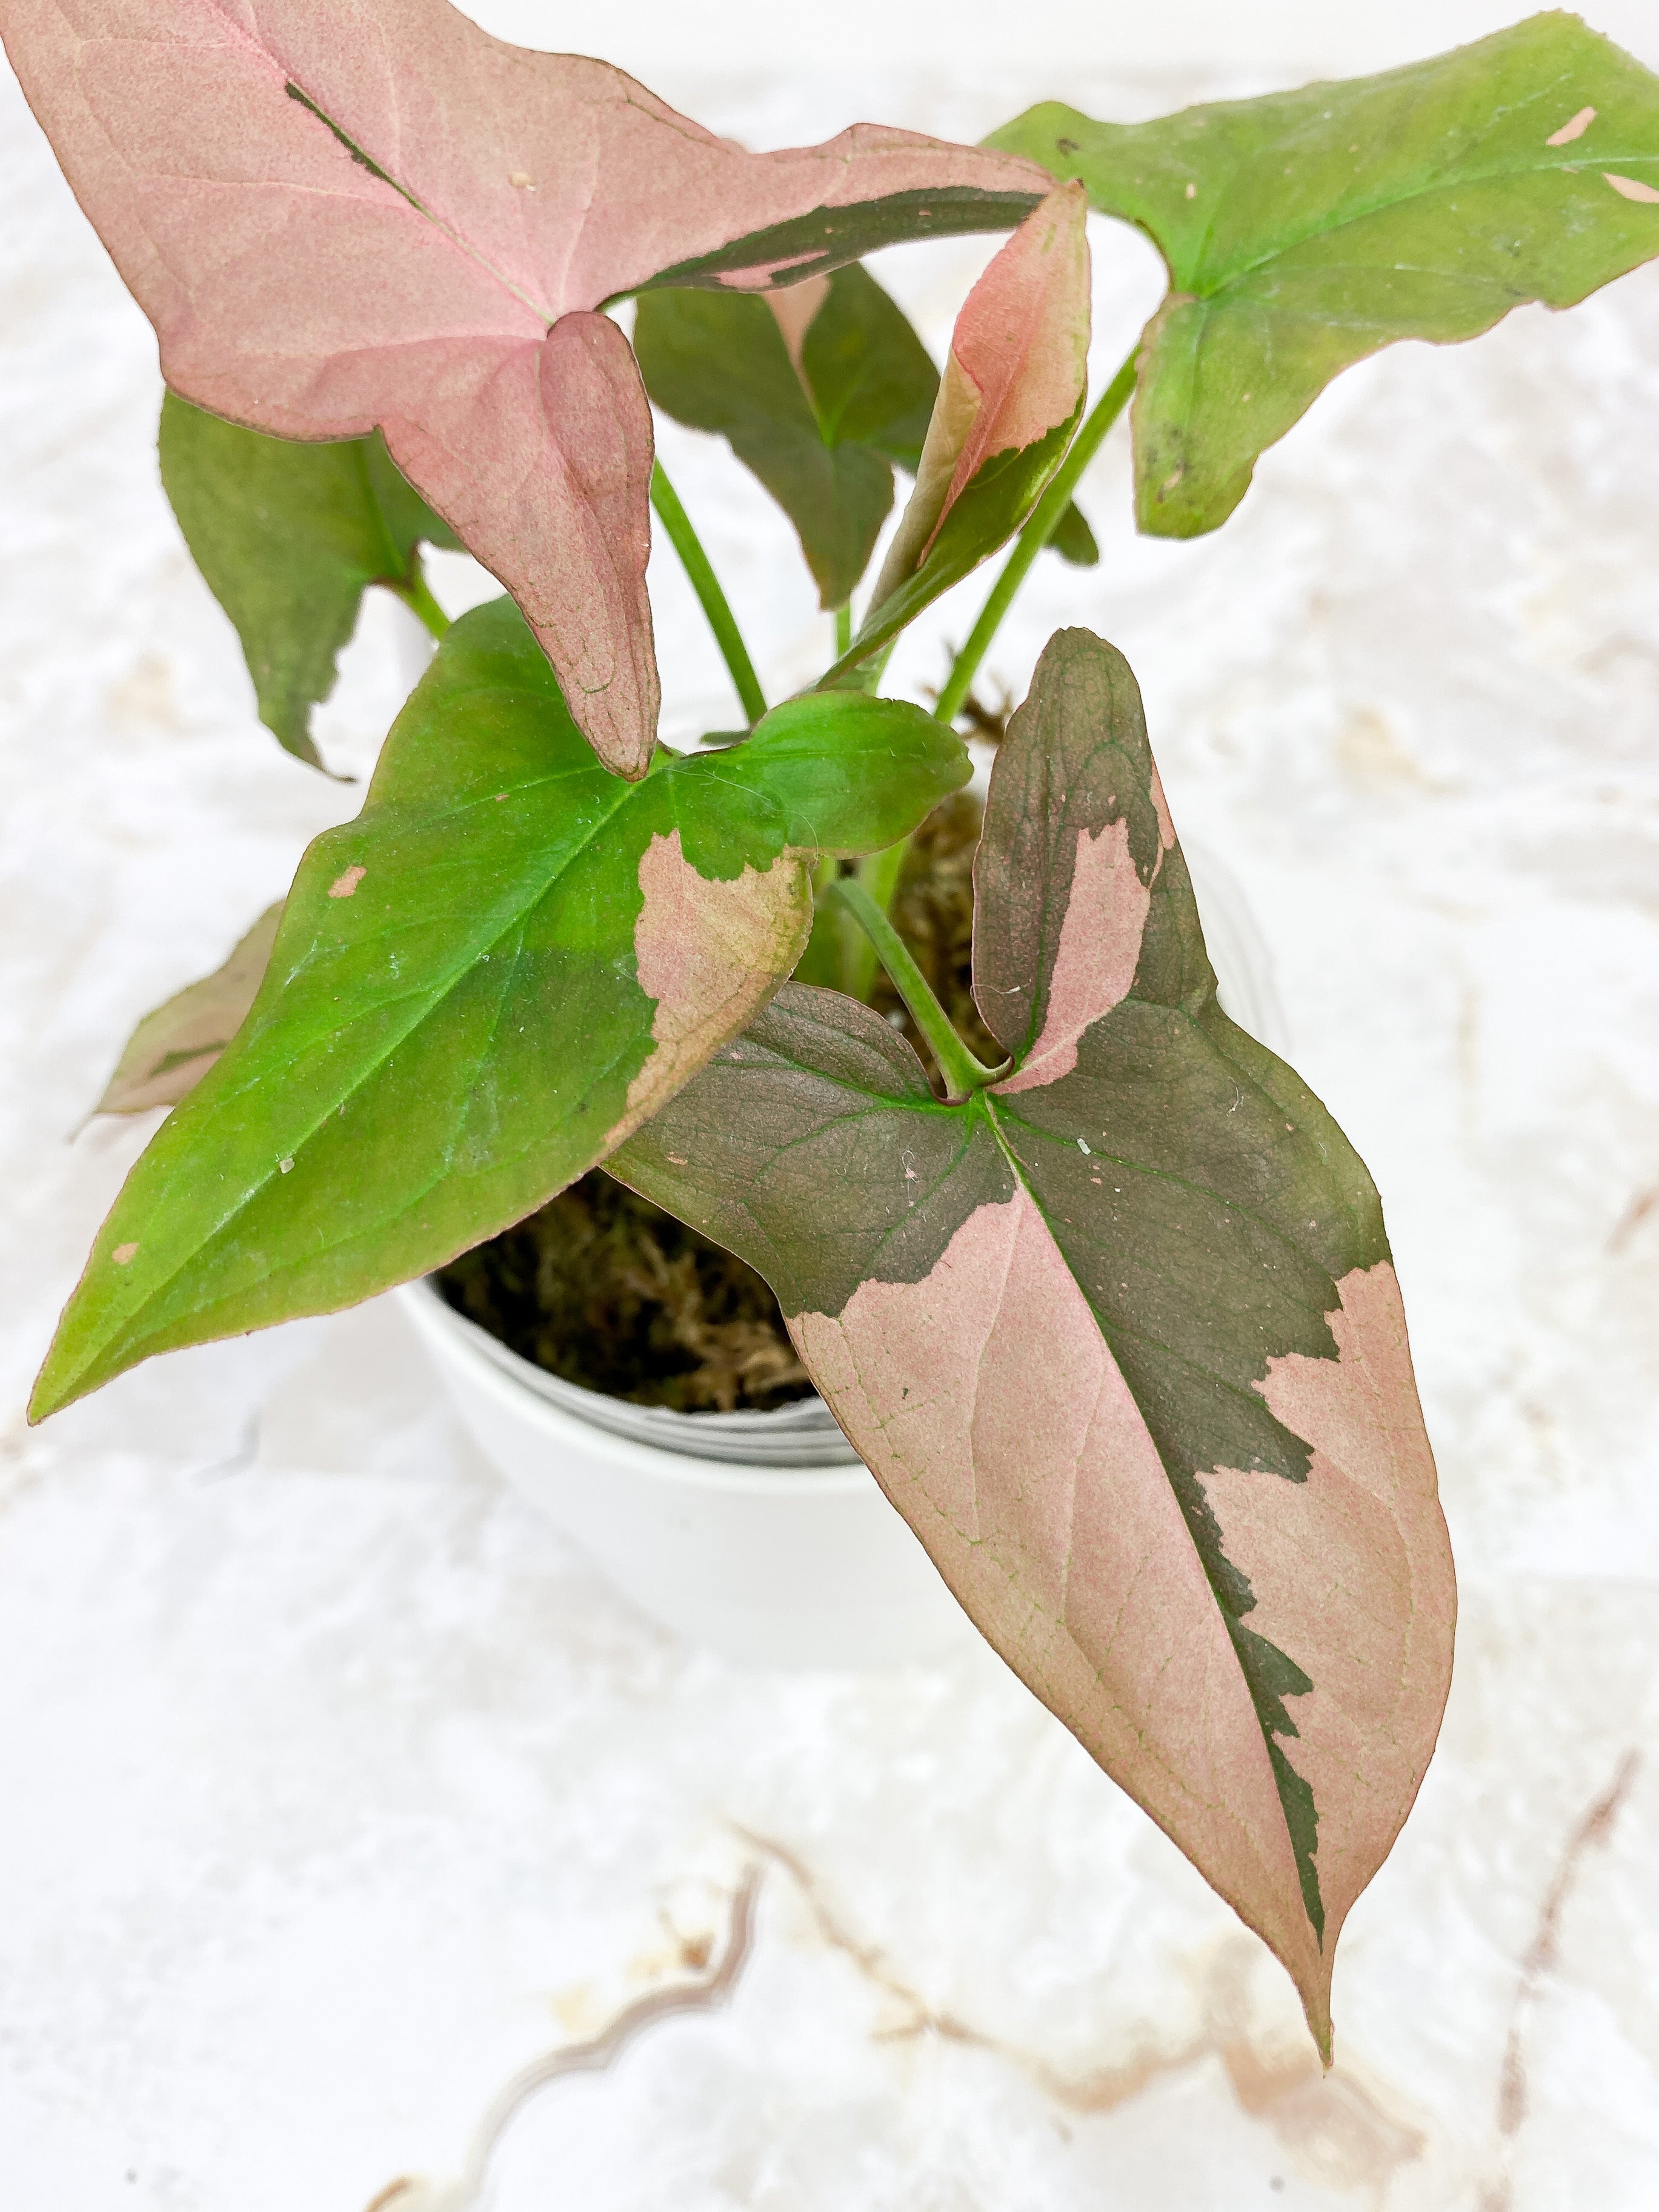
<point>373,213</point>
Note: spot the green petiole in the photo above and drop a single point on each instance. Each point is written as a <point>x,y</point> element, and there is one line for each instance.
<point>1045,519</point>
<point>963,1074</point>
<point>707,586</point>
<point>416,594</point>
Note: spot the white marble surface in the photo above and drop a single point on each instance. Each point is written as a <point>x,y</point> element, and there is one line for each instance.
<point>334,1789</point>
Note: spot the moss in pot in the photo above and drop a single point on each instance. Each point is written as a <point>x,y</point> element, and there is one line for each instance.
<point>1095,1286</point>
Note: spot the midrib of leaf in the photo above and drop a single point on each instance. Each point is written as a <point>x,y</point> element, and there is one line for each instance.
<point>424,1006</point>
<point>1231,1622</point>
<point>298,93</point>
<point>1316,229</point>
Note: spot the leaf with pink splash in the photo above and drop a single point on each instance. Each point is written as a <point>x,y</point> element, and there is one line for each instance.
<point>1119,1334</point>
<point>375,214</point>
<point>500,969</point>
<point>1007,406</point>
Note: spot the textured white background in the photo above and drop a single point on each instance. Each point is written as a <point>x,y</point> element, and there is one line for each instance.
<point>333,1788</point>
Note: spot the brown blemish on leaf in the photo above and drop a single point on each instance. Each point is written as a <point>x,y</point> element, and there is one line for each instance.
<point>711,954</point>
<point>123,1253</point>
<point>988,1406</point>
<point>1574,128</point>
<point>1099,952</point>
<point>1592,1831</point>
<point>1630,188</point>
<point>1352,1573</point>
<point>344,885</point>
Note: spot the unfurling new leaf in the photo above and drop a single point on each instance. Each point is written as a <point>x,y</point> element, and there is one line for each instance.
<point>287,537</point>
<point>1304,230</point>
<point>390,218</point>
<point>820,390</point>
<point>1119,1334</point>
<point>478,988</point>
<point>1007,406</point>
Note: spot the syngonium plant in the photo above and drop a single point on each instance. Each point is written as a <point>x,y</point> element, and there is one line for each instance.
<point>1113,1321</point>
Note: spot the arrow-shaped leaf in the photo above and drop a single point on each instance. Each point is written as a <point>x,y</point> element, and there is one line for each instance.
<point>750,369</point>
<point>1118,1335</point>
<point>344,218</point>
<point>288,537</point>
<point>479,986</point>
<point>1007,406</point>
<point>819,390</point>
<point>1305,230</point>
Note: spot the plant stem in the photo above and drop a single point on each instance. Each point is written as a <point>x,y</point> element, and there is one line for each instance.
<point>843,629</point>
<point>878,872</point>
<point>963,1074</point>
<point>1036,535</point>
<point>416,594</point>
<point>707,586</point>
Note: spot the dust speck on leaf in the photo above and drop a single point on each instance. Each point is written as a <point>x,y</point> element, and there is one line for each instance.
<point>1575,129</point>
<point>123,1253</point>
<point>287,1166</point>
<point>1192,191</point>
<point>1630,188</point>
<point>343,885</point>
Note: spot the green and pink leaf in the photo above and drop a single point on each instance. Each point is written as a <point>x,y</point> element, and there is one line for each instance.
<point>478,988</point>
<point>1119,1334</point>
<point>1007,405</point>
<point>1306,229</point>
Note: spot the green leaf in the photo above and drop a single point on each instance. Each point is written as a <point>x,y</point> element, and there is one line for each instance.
<point>288,537</point>
<point>720,361</point>
<point>175,1046</point>
<point>1074,540</point>
<point>818,390</point>
<point>1303,231</point>
<point>1118,1334</point>
<point>478,988</point>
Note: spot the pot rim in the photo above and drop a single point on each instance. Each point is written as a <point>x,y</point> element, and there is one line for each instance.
<point>437,1322</point>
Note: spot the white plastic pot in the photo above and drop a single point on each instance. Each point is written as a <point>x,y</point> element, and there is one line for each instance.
<point>776,1566</point>
<point>799,1563</point>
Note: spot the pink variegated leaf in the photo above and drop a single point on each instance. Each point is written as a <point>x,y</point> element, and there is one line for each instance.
<point>1007,405</point>
<point>372,213</point>
<point>1119,1334</point>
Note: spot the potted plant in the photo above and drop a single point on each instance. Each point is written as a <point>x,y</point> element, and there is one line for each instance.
<point>1096,1290</point>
